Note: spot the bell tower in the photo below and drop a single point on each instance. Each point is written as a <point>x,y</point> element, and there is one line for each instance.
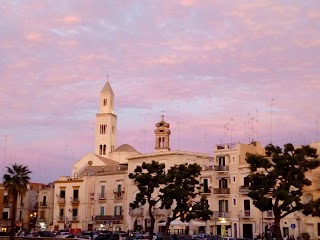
<point>106,123</point>
<point>162,134</point>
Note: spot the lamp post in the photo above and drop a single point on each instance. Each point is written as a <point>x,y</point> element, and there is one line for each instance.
<point>298,223</point>
<point>239,216</point>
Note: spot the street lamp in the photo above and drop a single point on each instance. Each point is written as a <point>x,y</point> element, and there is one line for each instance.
<point>298,223</point>
<point>239,216</point>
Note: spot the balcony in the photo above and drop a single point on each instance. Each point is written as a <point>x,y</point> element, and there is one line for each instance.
<point>161,212</point>
<point>61,201</point>
<point>246,214</point>
<point>61,219</point>
<point>118,195</point>
<point>74,200</point>
<point>206,190</point>
<point>221,168</point>
<point>104,218</point>
<point>221,191</point>
<point>102,196</point>
<point>137,212</point>
<point>243,189</point>
<point>43,204</point>
<point>42,219</point>
<point>7,204</point>
<point>221,214</point>
<point>268,214</point>
<point>74,219</point>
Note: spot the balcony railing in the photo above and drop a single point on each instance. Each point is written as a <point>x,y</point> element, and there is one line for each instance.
<point>247,213</point>
<point>161,212</point>
<point>75,219</point>
<point>137,212</point>
<point>243,189</point>
<point>118,195</point>
<point>61,218</point>
<point>7,204</point>
<point>61,200</point>
<point>43,204</point>
<point>221,168</point>
<point>221,214</point>
<point>41,219</point>
<point>74,200</point>
<point>206,190</point>
<point>221,191</point>
<point>102,196</point>
<point>268,214</point>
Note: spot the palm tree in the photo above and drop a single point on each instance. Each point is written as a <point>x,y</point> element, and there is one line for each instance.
<point>15,182</point>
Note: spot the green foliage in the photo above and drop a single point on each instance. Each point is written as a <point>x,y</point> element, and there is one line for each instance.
<point>15,182</point>
<point>148,177</point>
<point>175,190</point>
<point>276,181</point>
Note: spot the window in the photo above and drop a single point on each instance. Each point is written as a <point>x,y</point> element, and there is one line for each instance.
<point>74,212</point>
<point>233,159</point>
<point>61,212</point>
<point>223,205</point>
<point>221,161</point>
<point>246,206</point>
<point>223,183</point>
<point>5,215</point>
<point>318,229</point>
<point>119,188</point>
<point>117,210</point>
<point>75,194</point>
<point>105,101</point>
<point>246,182</point>
<point>101,210</point>
<point>102,191</point>
<point>44,200</point>
<point>234,202</point>
<point>62,193</point>
<point>234,179</point>
<point>206,185</point>
<point>103,128</point>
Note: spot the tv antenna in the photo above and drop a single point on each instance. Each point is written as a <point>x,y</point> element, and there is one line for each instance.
<point>271,106</point>
<point>178,125</point>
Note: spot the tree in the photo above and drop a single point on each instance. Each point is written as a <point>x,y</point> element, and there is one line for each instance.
<point>15,182</point>
<point>180,195</point>
<point>148,177</point>
<point>175,190</point>
<point>277,179</point>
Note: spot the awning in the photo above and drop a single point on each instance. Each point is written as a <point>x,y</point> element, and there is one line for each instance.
<point>179,223</point>
<point>175,223</point>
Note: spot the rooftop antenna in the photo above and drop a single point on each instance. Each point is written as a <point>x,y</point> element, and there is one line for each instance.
<point>5,152</point>
<point>231,129</point>
<point>317,131</point>
<point>225,127</point>
<point>272,101</point>
<point>257,125</point>
<point>93,135</point>
<point>178,125</point>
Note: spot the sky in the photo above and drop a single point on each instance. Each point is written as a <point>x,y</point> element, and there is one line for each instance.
<point>219,71</point>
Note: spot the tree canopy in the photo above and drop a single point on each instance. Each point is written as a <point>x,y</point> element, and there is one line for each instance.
<point>277,179</point>
<point>177,190</point>
<point>15,182</point>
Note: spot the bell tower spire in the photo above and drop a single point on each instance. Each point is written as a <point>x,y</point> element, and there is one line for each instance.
<point>106,123</point>
<point>162,134</point>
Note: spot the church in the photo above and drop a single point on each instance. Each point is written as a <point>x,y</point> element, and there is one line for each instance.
<point>97,194</point>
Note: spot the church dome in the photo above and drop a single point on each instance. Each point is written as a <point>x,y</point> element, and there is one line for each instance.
<point>125,148</point>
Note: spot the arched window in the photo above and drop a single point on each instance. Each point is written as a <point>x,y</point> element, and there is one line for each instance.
<point>308,198</point>
<point>223,183</point>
